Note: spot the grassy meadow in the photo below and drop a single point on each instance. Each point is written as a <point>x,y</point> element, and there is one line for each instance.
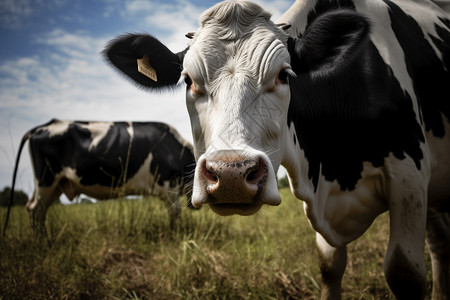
<point>125,249</point>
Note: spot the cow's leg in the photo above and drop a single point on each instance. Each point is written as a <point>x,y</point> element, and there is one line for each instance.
<point>175,217</point>
<point>175,212</point>
<point>332,266</point>
<point>438,242</point>
<point>404,264</point>
<point>37,207</point>
<point>37,211</point>
<point>173,205</point>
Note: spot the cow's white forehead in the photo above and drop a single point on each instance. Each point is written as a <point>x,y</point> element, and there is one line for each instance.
<point>235,36</point>
<point>232,19</point>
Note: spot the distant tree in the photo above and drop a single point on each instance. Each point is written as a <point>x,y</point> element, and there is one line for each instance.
<point>283,182</point>
<point>20,198</point>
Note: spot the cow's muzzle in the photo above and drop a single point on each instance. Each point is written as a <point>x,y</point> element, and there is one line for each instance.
<point>234,182</point>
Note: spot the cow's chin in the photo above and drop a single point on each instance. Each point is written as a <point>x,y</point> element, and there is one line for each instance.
<point>228,209</point>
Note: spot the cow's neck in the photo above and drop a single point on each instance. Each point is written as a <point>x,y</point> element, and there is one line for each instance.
<point>296,164</point>
<point>321,199</point>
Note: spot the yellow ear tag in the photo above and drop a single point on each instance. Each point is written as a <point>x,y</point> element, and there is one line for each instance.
<point>146,69</point>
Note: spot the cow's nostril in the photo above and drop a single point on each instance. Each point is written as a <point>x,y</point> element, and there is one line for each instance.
<point>252,176</point>
<point>255,174</point>
<point>209,174</point>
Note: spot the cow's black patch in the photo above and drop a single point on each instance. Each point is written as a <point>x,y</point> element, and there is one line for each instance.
<point>115,159</point>
<point>171,160</point>
<point>361,114</point>
<point>107,164</point>
<point>51,154</point>
<point>431,78</point>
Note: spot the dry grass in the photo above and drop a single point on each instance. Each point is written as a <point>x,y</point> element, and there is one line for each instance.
<point>127,250</point>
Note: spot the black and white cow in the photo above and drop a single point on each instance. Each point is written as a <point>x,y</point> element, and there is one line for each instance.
<point>351,96</point>
<point>105,160</point>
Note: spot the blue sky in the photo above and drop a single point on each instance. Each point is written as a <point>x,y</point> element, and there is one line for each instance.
<point>51,67</point>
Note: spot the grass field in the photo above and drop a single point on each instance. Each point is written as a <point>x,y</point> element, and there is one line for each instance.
<point>125,249</point>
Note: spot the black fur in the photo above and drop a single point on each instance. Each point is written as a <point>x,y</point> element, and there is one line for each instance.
<point>349,109</point>
<point>431,77</point>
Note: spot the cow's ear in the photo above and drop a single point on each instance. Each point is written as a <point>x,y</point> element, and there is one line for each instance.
<point>158,66</point>
<point>329,43</point>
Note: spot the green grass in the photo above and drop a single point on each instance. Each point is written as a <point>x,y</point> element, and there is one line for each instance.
<point>125,249</point>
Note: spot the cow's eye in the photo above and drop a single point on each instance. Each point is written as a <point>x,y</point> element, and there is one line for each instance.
<point>188,81</point>
<point>283,76</point>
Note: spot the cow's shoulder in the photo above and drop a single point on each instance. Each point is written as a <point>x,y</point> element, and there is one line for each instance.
<point>367,109</point>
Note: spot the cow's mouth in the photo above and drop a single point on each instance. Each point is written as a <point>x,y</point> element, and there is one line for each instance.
<point>243,209</point>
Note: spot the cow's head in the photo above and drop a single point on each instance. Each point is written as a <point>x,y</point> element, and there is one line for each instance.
<point>237,70</point>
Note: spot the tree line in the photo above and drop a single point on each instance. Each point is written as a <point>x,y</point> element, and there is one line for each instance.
<point>20,198</point>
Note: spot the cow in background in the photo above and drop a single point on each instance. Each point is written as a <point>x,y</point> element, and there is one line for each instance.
<point>106,160</point>
<point>352,97</point>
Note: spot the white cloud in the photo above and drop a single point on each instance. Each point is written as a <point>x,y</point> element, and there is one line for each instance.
<point>71,43</point>
<point>171,20</point>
